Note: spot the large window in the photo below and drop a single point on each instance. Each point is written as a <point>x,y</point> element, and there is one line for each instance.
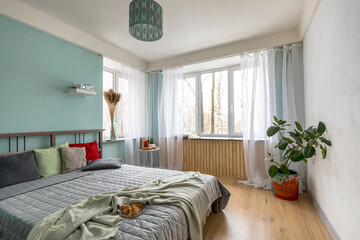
<point>237,103</point>
<point>113,80</point>
<point>108,82</point>
<point>122,109</point>
<point>188,102</point>
<point>212,102</point>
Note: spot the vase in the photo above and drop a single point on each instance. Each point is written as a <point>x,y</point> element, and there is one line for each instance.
<point>112,131</point>
<point>286,186</point>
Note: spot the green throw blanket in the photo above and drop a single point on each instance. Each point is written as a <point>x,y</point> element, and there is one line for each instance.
<point>97,216</point>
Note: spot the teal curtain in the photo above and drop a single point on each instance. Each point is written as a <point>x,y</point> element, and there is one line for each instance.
<point>278,82</point>
<point>153,96</point>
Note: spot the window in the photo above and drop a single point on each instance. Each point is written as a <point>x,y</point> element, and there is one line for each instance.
<point>212,102</point>
<point>238,104</point>
<point>188,102</point>
<point>108,82</point>
<point>112,80</point>
<point>122,108</point>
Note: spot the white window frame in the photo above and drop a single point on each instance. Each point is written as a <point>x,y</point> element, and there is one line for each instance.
<point>194,75</point>
<point>232,132</point>
<point>197,76</point>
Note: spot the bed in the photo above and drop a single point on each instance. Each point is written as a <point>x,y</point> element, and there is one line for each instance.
<point>24,204</point>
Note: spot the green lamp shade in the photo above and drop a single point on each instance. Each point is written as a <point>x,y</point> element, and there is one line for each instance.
<point>145,20</point>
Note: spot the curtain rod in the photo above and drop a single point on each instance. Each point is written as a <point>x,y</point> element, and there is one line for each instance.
<point>202,61</point>
<point>233,55</point>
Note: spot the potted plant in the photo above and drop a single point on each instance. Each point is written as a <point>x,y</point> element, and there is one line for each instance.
<point>296,145</point>
<point>152,143</point>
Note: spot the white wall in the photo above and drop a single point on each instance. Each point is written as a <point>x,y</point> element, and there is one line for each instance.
<point>332,94</point>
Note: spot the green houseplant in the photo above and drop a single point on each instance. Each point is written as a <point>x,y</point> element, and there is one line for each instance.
<point>152,142</point>
<point>297,145</point>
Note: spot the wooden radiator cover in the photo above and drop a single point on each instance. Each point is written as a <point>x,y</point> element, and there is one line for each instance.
<point>214,157</point>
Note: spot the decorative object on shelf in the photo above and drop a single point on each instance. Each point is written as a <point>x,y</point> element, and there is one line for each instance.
<point>112,98</point>
<point>145,20</point>
<point>152,143</point>
<point>298,145</point>
<point>144,144</point>
<point>84,86</point>
<point>82,89</point>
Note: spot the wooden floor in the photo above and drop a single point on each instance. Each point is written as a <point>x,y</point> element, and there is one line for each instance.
<point>253,214</point>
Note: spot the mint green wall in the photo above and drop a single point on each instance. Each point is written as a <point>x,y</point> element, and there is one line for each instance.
<point>114,150</point>
<point>35,71</point>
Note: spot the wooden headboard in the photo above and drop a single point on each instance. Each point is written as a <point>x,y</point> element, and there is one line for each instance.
<point>78,135</point>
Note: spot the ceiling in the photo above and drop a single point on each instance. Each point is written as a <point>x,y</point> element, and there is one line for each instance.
<point>189,25</point>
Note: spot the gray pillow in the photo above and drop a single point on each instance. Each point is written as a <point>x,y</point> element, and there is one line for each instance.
<point>18,168</point>
<point>108,163</point>
<point>14,153</point>
<point>72,158</point>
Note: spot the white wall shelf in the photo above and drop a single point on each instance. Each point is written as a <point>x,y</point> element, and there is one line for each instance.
<point>80,92</point>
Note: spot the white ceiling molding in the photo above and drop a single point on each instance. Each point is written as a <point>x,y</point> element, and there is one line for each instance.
<point>112,65</point>
<point>310,8</point>
<point>46,23</point>
<point>227,50</point>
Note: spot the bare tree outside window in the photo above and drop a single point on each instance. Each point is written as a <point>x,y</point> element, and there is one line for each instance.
<point>188,86</point>
<point>212,102</point>
<point>214,106</point>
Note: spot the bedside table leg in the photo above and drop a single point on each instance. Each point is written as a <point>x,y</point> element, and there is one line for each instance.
<point>138,159</point>
<point>152,163</point>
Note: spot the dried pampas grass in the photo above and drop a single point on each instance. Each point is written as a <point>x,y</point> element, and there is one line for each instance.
<point>112,98</point>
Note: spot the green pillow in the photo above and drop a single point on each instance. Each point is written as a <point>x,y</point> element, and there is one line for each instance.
<point>49,160</point>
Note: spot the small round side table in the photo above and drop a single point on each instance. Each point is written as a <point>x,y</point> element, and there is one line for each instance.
<point>151,154</point>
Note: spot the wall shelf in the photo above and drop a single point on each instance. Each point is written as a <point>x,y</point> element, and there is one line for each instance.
<point>80,92</point>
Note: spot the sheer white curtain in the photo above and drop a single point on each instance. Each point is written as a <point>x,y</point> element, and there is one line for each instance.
<point>293,95</point>
<point>170,120</point>
<point>134,123</point>
<point>259,105</point>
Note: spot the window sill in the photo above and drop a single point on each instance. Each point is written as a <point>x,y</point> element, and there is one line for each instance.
<point>215,138</point>
<point>113,141</point>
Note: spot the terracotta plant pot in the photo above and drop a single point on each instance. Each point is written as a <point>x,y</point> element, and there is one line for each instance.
<point>286,187</point>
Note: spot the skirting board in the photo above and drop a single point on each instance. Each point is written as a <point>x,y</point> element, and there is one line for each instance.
<point>333,234</point>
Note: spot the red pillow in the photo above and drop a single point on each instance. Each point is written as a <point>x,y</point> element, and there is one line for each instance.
<point>91,149</point>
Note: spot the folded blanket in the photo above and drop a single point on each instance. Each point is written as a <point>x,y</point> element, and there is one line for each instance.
<point>97,216</point>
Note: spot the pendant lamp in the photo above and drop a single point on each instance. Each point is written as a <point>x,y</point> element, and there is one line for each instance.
<point>145,20</point>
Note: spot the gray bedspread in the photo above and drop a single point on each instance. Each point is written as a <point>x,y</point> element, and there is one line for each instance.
<point>19,212</point>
